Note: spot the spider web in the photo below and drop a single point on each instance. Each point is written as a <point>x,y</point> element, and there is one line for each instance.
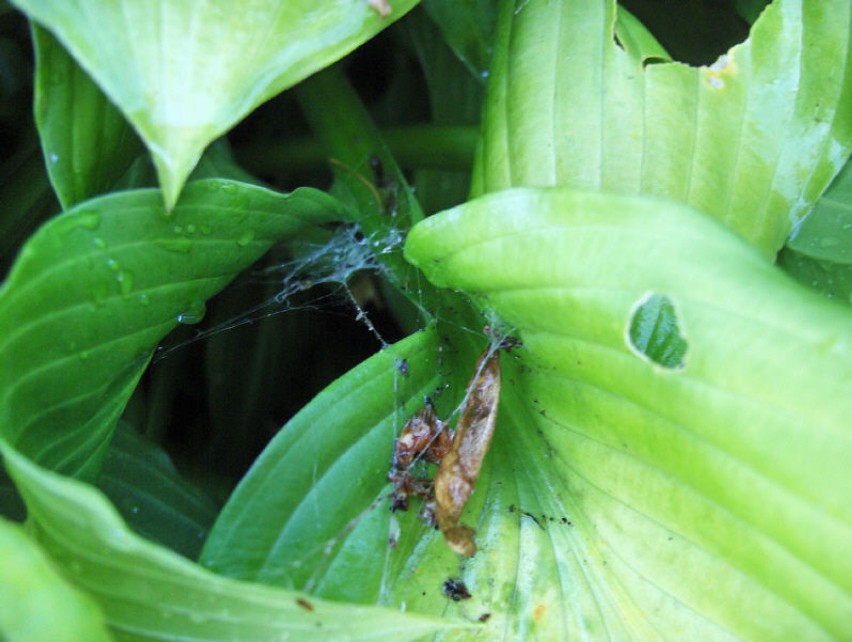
<point>321,273</point>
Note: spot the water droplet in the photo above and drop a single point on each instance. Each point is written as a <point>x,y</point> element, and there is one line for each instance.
<point>229,188</point>
<point>190,229</point>
<point>193,314</point>
<point>84,355</point>
<point>98,242</point>
<point>144,299</point>
<point>100,292</point>
<point>54,157</point>
<point>177,229</point>
<point>112,264</point>
<point>86,219</point>
<point>245,238</point>
<point>125,282</point>
<point>829,241</point>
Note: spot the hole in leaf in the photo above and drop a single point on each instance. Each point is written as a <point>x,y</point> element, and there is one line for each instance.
<point>696,31</point>
<point>655,333</point>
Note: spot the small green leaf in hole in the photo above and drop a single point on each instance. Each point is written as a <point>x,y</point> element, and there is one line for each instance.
<point>654,331</point>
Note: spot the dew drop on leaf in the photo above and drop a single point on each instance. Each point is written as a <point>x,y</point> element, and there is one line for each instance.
<point>193,314</point>
<point>86,219</point>
<point>246,238</point>
<point>99,293</point>
<point>125,282</point>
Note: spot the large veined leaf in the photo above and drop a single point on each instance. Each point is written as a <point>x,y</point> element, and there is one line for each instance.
<point>155,501</point>
<point>183,72</point>
<point>468,27</point>
<point>752,139</point>
<point>635,491</point>
<point>32,588</point>
<point>87,144</point>
<point>150,593</point>
<point>820,254</point>
<point>289,521</point>
<point>95,290</point>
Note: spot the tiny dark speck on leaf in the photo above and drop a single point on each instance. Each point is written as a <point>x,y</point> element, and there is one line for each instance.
<point>455,590</point>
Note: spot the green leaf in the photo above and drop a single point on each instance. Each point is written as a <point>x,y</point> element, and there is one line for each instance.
<point>290,521</point>
<point>820,252</point>
<point>155,501</point>
<point>705,501</point>
<point>26,200</point>
<point>468,27</point>
<point>150,593</point>
<point>36,603</point>
<point>455,98</point>
<point>655,333</point>
<point>637,41</point>
<point>752,139</point>
<point>97,288</point>
<point>87,144</point>
<point>184,72</point>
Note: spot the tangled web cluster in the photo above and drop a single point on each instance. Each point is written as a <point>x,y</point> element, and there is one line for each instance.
<point>326,265</point>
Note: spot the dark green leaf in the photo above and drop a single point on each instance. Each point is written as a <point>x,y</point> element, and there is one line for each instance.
<point>150,593</point>
<point>87,144</point>
<point>95,290</point>
<point>312,512</point>
<point>155,501</point>
<point>468,27</point>
<point>655,331</point>
<point>820,253</point>
<point>455,98</point>
<point>26,200</point>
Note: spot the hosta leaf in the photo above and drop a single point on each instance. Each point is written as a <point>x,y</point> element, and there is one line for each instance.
<point>25,201</point>
<point>95,290</point>
<point>455,98</point>
<point>820,253</point>
<point>287,522</point>
<point>184,72</point>
<point>143,484</point>
<point>150,593</point>
<point>752,139</point>
<point>707,501</point>
<point>468,27</point>
<point>87,144</point>
<point>36,603</point>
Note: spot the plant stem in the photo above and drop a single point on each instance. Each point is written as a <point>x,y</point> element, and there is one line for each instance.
<point>414,147</point>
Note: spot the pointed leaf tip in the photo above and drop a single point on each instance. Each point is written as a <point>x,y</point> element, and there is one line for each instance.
<point>184,72</point>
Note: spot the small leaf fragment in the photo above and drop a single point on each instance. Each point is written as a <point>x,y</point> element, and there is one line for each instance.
<point>654,332</point>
